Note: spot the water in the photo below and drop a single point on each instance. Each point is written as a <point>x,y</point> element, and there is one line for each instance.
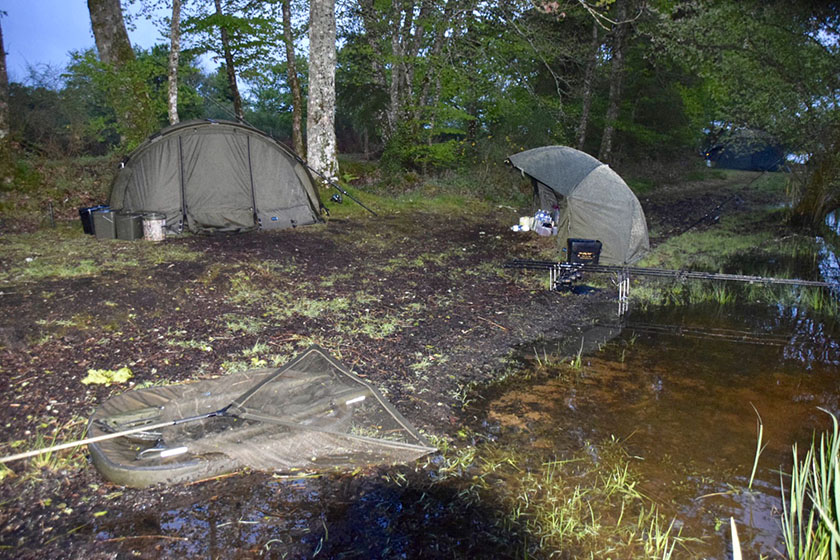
<point>682,388</point>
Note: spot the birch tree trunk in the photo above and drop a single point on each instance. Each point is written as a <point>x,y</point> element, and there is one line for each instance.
<point>294,81</point>
<point>174,56</point>
<point>588,78</point>
<point>320,121</point>
<point>231,69</point>
<point>392,113</point>
<point>616,82</point>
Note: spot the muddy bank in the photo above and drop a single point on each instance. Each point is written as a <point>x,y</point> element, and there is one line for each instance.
<point>417,304</point>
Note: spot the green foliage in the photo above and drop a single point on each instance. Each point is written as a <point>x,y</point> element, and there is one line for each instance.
<point>124,91</point>
<point>771,66</point>
<point>408,148</point>
<point>270,99</point>
<point>811,512</point>
<point>252,31</point>
<point>90,108</point>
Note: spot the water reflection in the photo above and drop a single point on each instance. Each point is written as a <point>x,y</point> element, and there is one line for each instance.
<point>681,386</point>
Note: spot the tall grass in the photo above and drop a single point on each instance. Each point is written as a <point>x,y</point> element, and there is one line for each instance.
<point>811,513</point>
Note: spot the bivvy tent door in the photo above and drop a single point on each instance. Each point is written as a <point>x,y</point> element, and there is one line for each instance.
<point>217,176</point>
<point>592,200</point>
<point>312,413</point>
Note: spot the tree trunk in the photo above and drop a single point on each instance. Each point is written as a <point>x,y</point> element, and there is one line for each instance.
<point>393,111</point>
<point>5,148</point>
<point>128,92</point>
<point>109,32</point>
<point>174,55</point>
<point>372,35</point>
<point>320,122</point>
<point>294,81</point>
<point>616,82</point>
<point>423,100</point>
<point>588,78</point>
<point>231,69</point>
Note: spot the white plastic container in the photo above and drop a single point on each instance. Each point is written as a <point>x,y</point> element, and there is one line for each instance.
<point>153,227</point>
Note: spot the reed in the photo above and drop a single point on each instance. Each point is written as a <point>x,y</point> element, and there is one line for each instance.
<point>811,511</point>
<point>51,462</point>
<point>759,426</point>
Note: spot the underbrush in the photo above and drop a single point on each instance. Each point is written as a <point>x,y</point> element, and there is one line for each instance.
<point>44,191</point>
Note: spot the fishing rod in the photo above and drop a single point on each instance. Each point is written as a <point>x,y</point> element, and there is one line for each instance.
<point>573,271</point>
<point>332,184</point>
<point>296,155</point>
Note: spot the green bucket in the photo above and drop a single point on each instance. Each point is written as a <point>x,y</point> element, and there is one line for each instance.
<point>129,226</point>
<point>103,224</point>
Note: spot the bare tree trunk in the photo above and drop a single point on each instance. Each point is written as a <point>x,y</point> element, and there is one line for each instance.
<point>320,122</point>
<point>174,55</point>
<point>108,26</point>
<point>393,112</point>
<point>294,81</point>
<point>231,69</point>
<point>372,36</point>
<point>588,78</point>
<point>423,101</point>
<point>5,148</point>
<point>616,82</point>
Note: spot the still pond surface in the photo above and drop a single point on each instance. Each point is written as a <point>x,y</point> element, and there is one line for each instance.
<point>682,388</point>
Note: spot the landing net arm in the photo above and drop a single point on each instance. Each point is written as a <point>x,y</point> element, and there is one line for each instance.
<point>114,435</point>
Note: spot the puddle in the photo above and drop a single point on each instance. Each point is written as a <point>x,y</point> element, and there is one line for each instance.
<point>390,513</point>
<point>680,388</point>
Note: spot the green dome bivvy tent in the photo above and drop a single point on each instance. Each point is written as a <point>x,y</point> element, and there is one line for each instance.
<point>592,200</point>
<point>217,176</point>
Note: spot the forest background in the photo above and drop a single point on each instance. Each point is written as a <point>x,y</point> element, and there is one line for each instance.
<point>450,87</point>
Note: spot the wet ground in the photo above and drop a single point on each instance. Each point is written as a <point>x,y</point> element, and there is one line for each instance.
<point>420,308</point>
<point>416,303</point>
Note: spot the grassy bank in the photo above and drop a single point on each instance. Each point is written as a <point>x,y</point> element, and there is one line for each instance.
<point>743,229</point>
